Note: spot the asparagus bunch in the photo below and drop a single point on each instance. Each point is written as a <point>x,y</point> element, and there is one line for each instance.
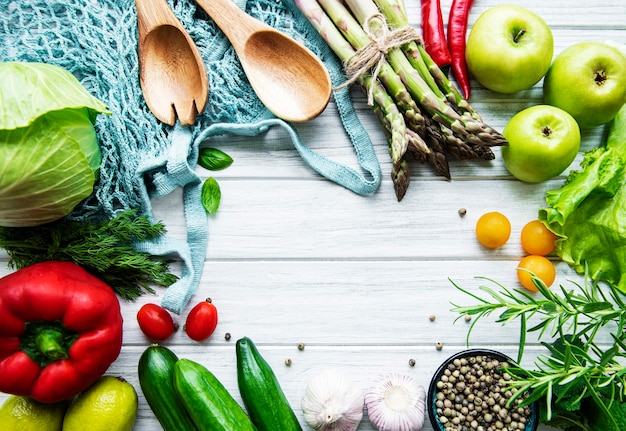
<point>423,114</point>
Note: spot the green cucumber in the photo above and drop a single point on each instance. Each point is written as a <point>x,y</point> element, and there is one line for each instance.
<point>156,378</point>
<point>262,395</point>
<point>207,401</point>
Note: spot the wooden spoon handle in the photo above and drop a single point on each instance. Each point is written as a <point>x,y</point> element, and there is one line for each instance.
<point>152,14</point>
<point>236,24</point>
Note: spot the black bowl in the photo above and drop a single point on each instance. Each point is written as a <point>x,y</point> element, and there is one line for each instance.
<point>532,421</point>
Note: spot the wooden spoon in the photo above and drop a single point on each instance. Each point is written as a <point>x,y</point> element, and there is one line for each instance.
<point>171,71</point>
<point>288,78</point>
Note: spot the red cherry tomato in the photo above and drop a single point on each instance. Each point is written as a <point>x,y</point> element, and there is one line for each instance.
<point>201,321</point>
<point>155,322</point>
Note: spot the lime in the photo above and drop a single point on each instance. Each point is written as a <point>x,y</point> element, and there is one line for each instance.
<point>110,404</point>
<point>20,413</point>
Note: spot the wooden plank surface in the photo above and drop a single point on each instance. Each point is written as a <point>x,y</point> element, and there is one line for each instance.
<point>293,258</point>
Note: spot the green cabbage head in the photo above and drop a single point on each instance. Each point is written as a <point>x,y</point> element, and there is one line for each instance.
<point>49,153</point>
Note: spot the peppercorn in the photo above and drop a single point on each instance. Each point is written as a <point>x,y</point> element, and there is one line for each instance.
<point>470,395</point>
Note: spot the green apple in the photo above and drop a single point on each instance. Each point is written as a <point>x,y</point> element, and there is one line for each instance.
<point>543,142</point>
<point>588,80</point>
<point>509,49</point>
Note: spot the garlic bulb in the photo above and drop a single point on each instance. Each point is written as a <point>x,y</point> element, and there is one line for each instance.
<point>396,403</point>
<point>332,402</point>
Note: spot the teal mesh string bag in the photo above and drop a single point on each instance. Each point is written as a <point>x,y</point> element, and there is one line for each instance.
<point>143,159</point>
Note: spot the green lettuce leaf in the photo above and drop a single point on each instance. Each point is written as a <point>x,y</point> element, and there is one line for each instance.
<point>589,212</point>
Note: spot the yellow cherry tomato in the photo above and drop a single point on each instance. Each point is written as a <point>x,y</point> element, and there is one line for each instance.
<point>493,229</point>
<point>538,265</point>
<point>537,238</point>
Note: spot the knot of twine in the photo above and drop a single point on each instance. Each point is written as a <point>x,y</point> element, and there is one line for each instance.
<point>372,55</point>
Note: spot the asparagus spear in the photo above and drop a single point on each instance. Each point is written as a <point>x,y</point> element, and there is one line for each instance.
<point>419,58</point>
<point>358,38</point>
<point>438,142</point>
<point>385,106</point>
<point>416,52</point>
<point>345,49</point>
<point>451,93</point>
<point>416,146</point>
<point>326,28</point>
<point>473,129</point>
<point>397,127</point>
<point>362,10</point>
<point>400,178</point>
<point>396,131</point>
<point>420,110</point>
<point>436,158</point>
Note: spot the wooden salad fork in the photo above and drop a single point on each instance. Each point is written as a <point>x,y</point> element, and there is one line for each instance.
<point>171,71</point>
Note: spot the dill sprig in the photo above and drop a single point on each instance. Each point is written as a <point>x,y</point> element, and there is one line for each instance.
<point>104,248</point>
<point>579,379</point>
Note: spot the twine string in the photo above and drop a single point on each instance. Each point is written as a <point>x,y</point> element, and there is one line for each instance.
<point>373,55</point>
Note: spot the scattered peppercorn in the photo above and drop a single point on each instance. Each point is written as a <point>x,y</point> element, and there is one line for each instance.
<point>227,336</point>
<point>432,317</point>
<point>439,346</point>
<point>300,346</point>
<point>468,317</point>
<point>288,362</point>
<point>412,362</point>
<point>462,212</point>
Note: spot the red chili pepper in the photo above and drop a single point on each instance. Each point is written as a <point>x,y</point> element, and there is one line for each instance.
<point>61,329</point>
<point>433,32</point>
<point>457,30</point>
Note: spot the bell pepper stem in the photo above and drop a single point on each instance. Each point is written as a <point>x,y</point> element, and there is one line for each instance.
<point>50,343</point>
<point>47,341</point>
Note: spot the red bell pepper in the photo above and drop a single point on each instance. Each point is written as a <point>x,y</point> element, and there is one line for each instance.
<point>60,329</point>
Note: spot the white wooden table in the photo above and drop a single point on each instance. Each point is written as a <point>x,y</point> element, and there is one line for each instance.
<point>293,258</point>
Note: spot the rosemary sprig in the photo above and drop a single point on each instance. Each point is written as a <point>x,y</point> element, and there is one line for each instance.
<point>103,248</point>
<point>577,370</point>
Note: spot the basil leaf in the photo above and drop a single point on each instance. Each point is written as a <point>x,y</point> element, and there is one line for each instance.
<point>214,159</point>
<point>211,195</point>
